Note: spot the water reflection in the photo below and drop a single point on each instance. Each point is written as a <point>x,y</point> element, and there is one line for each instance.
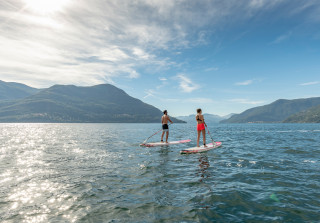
<point>204,164</point>
<point>162,193</point>
<point>31,188</point>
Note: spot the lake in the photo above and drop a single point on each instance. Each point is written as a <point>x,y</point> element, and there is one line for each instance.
<point>99,173</point>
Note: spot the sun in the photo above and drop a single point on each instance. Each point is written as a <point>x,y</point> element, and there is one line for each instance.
<point>46,6</point>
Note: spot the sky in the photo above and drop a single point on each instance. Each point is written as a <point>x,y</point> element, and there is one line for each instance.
<point>221,56</point>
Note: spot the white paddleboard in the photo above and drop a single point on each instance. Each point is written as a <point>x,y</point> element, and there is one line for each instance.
<point>152,144</point>
<point>201,148</point>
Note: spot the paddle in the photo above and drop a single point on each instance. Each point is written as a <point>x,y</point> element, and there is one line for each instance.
<point>144,142</point>
<point>213,142</point>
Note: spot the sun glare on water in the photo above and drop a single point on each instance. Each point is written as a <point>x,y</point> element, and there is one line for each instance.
<point>46,6</point>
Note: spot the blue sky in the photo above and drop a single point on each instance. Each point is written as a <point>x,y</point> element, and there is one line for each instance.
<point>222,56</point>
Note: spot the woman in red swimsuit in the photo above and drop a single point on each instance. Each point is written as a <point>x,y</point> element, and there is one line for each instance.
<point>201,127</point>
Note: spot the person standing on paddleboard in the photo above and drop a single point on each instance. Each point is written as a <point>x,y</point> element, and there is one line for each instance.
<point>201,127</point>
<point>165,128</point>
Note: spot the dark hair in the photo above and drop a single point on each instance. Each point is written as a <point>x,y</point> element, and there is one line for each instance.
<point>165,111</point>
<point>198,110</point>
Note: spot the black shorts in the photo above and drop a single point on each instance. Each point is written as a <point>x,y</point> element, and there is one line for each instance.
<point>165,127</point>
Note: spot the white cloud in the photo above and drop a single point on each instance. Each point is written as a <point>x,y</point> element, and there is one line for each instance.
<point>186,84</point>
<point>85,43</point>
<point>89,42</point>
<point>310,83</point>
<point>149,93</point>
<point>281,38</point>
<point>163,82</point>
<point>211,69</point>
<point>247,82</point>
<point>199,100</point>
<point>245,101</point>
<point>189,100</point>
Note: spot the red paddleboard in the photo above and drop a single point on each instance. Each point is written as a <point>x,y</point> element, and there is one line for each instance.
<point>152,144</point>
<point>201,148</point>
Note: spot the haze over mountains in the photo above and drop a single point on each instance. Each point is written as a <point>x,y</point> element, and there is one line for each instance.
<point>208,118</point>
<point>107,103</point>
<point>68,103</point>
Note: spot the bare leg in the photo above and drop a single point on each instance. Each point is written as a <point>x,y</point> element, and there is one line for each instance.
<point>167,135</point>
<point>204,137</point>
<point>162,136</point>
<point>198,139</point>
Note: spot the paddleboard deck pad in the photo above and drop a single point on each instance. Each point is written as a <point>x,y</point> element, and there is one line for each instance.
<point>201,148</point>
<point>153,144</point>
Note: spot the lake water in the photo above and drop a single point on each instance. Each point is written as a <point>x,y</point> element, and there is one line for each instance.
<point>98,173</point>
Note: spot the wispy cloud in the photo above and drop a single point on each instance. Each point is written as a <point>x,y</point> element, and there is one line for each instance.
<point>310,83</point>
<point>186,84</point>
<point>86,42</point>
<point>189,100</point>
<point>163,82</point>
<point>149,93</point>
<point>199,100</point>
<point>89,42</point>
<point>211,69</point>
<point>281,38</point>
<point>244,83</point>
<point>245,101</point>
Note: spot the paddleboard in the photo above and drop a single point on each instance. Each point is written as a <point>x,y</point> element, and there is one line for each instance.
<point>152,144</point>
<point>201,148</point>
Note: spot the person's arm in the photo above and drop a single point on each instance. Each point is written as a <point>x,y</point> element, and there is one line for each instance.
<point>162,120</point>
<point>170,119</point>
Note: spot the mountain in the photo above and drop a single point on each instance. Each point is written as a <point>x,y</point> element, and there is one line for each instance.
<point>69,103</point>
<point>277,111</point>
<point>311,115</point>
<point>208,118</point>
<point>12,90</point>
<point>228,116</point>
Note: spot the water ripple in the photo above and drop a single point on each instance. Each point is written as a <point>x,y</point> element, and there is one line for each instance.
<point>98,173</point>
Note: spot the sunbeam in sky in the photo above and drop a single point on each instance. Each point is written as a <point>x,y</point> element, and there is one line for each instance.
<point>46,6</point>
<point>232,54</point>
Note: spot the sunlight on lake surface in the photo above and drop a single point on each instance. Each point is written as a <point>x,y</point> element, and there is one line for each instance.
<point>98,173</point>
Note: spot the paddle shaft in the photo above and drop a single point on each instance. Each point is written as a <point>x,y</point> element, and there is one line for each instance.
<point>153,135</point>
<point>209,132</point>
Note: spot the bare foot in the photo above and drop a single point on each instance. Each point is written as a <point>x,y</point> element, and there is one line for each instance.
<point>204,145</point>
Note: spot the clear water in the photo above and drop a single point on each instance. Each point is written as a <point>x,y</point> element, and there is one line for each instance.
<point>98,173</point>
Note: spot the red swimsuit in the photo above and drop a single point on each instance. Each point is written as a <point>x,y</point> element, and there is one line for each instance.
<point>201,125</point>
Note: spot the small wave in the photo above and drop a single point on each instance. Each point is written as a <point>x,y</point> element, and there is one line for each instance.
<point>309,161</point>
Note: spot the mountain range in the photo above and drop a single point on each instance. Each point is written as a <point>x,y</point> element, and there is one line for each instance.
<point>12,90</point>
<point>107,103</point>
<point>297,110</point>
<point>69,103</point>
<point>311,115</point>
<point>208,118</point>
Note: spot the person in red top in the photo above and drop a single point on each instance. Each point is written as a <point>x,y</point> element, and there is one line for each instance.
<point>200,127</point>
